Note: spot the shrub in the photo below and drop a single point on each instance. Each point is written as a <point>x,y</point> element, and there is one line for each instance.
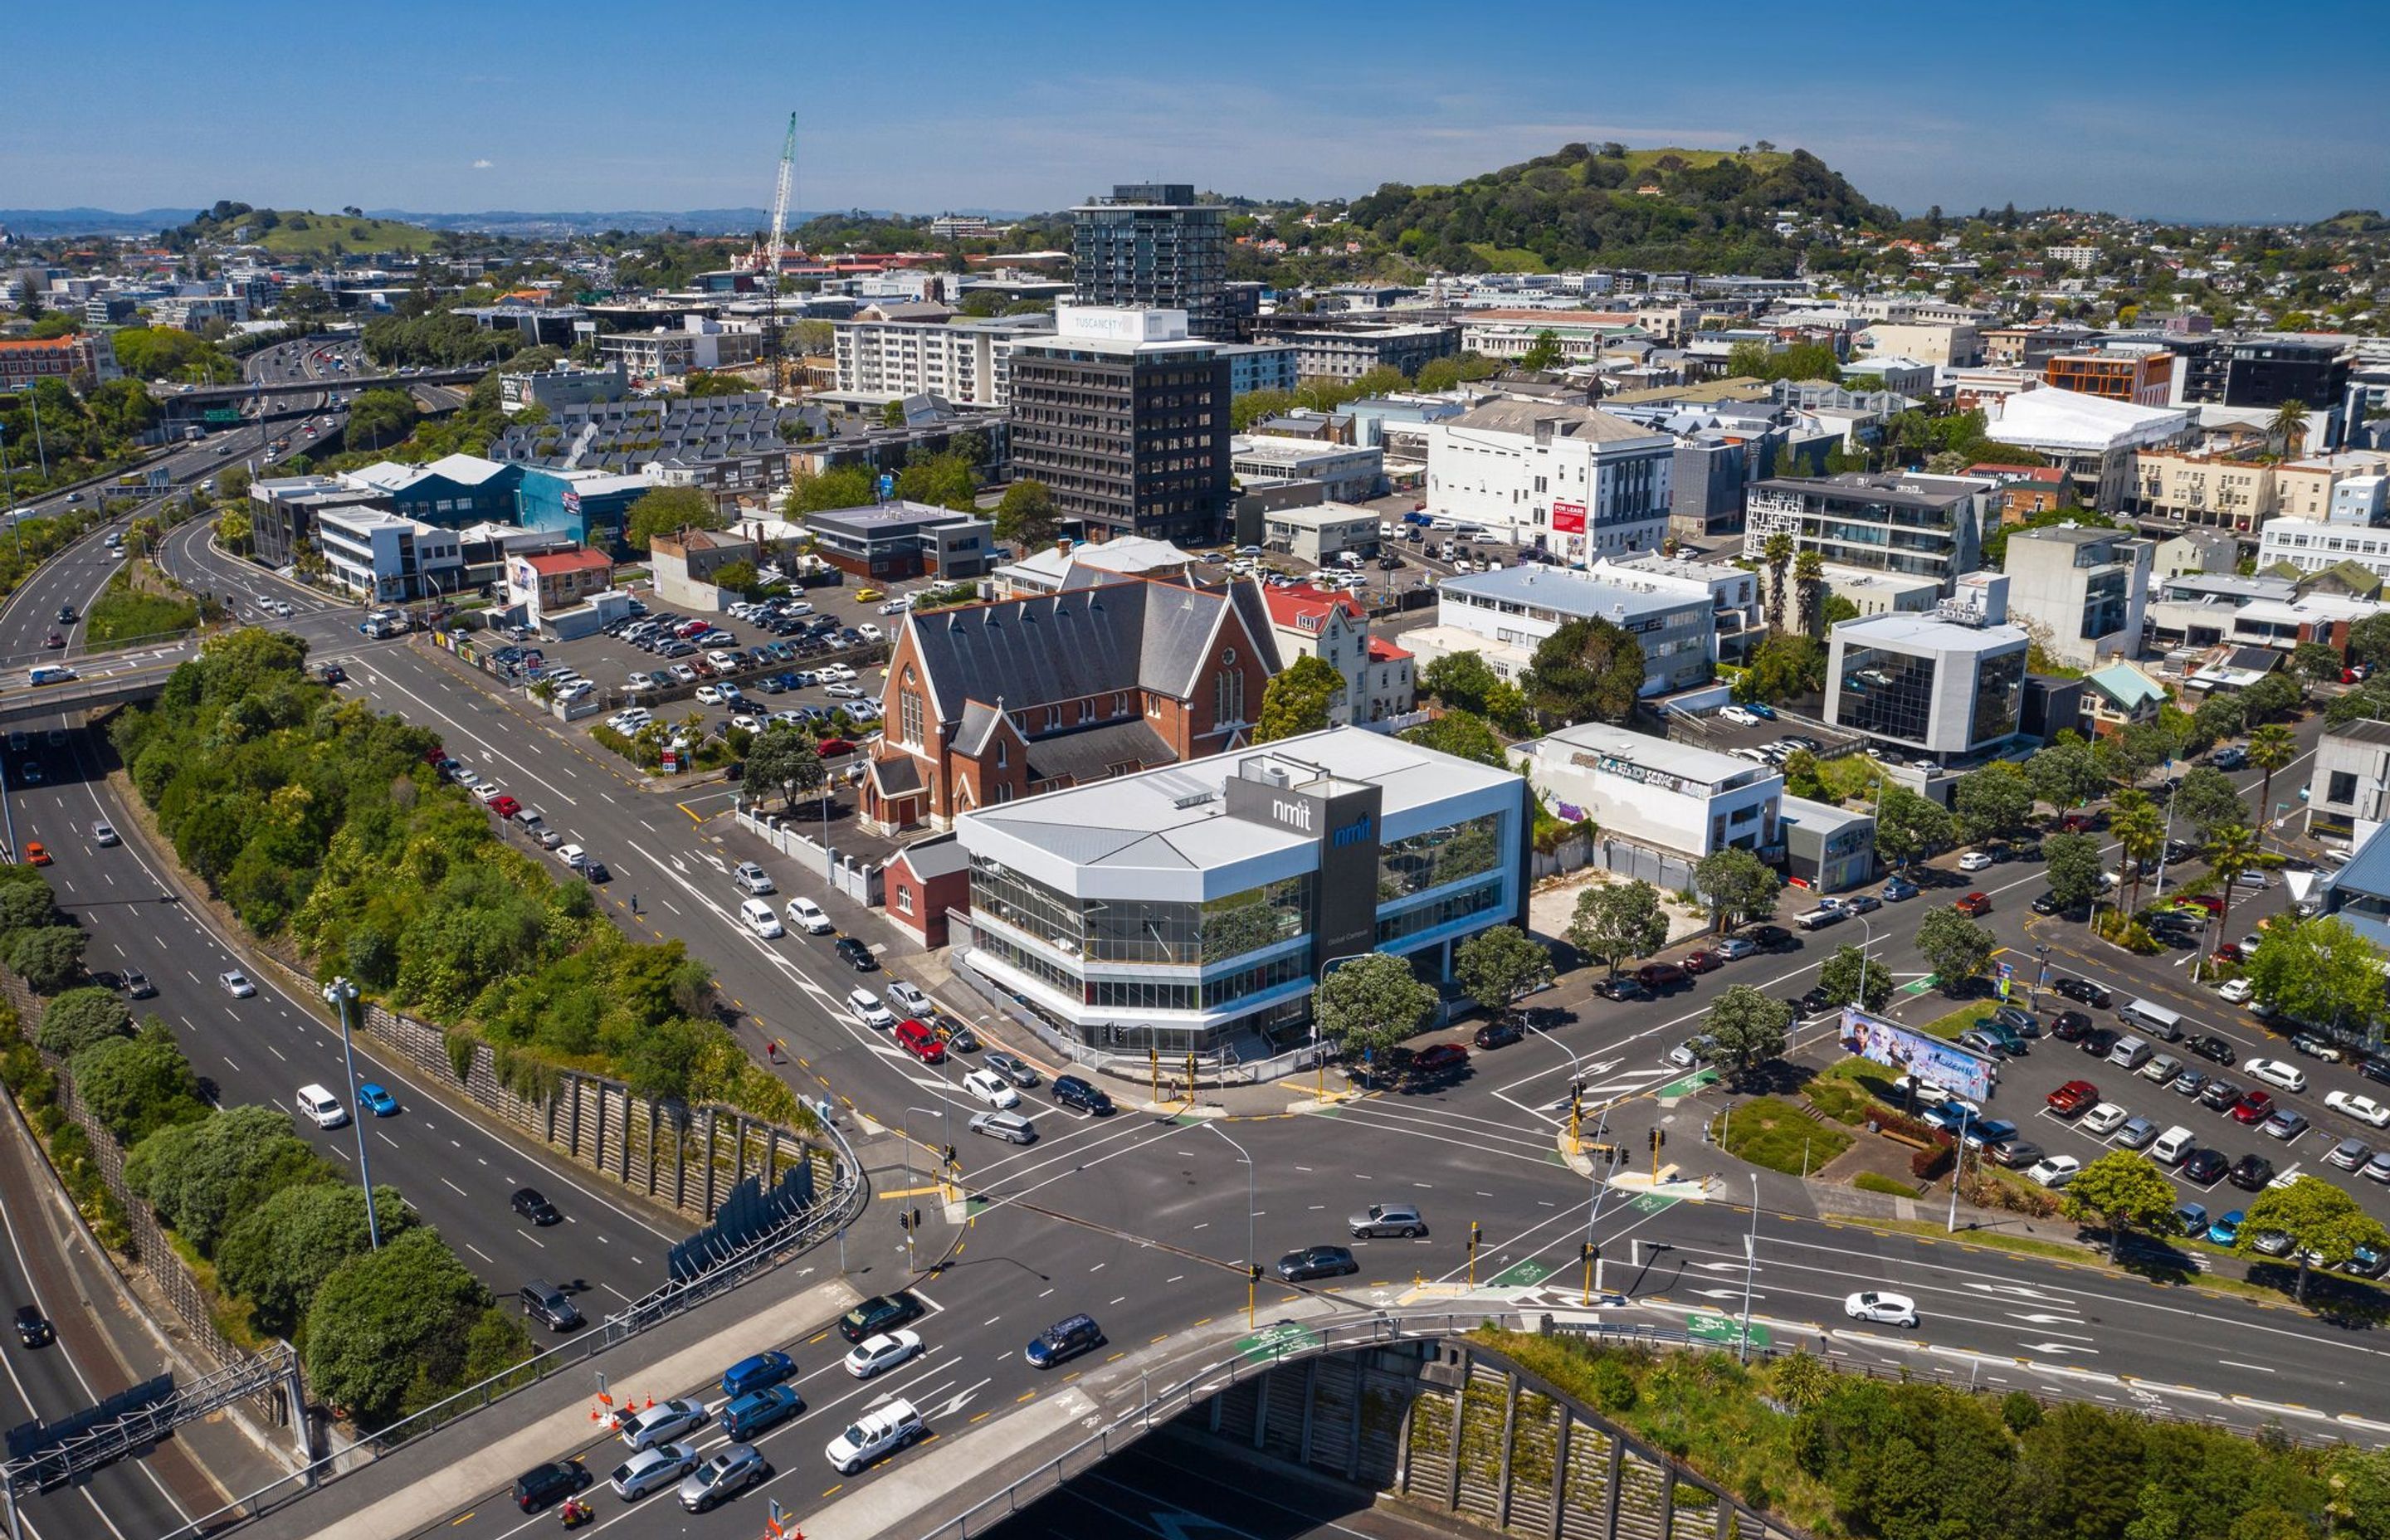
<point>1928,1164</point>
<point>1613,1386</point>
<point>2021,1412</point>
<point>1876,1181</point>
<point>79,1018</point>
<point>48,959</point>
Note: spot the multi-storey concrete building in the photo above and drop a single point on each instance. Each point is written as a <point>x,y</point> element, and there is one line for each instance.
<point>1151,246</point>
<point>2082,591</point>
<point>1912,525</point>
<point>1576,481</point>
<point>886,351</point>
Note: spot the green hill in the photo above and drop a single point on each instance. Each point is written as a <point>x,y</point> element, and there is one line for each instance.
<point>1665,209</point>
<point>304,232</point>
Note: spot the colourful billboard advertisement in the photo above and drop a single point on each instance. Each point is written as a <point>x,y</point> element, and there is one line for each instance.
<point>1933,1061</point>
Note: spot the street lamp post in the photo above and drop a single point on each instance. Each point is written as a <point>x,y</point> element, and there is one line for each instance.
<point>1593,1208</point>
<point>1959,1166</point>
<point>1253,1266</point>
<point>1750,1265</point>
<point>1576,1080</point>
<point>341,993</point>
<point>2040,979</point>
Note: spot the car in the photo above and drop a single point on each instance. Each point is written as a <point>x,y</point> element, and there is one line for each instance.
<point>103,834</point>
<point>1439,1059</point>
<point>1690,1053</point>
<point>2073,1097</point>
<point>551,1306</point>
<point>2364,1109</point>
<point>2189,1083</point>
<point>1316,1262</point>
<point>754,1412</point>
<point>1974,905</point>
<point>2068,1026</point>
<point>1379,1220</point>
<point>2364,1262</point>
<point>529,1203</point>
<point>1011,1127</point>
<point>2162,1067</point>
<point>2221,1096</point>
<point>1016,1070</point>
<point>2204,1167</point>
<point>1072,1092</point>
<point>1975,861</point>
<point>2227,1228</point>
<point>505,806</point>
<point>1731,948</point>
<point>1621,987</point>
<point>883,1429</point>
<point>730,1472</point>
<point>594,873</point>
<point>2251,1173</point>
<point>808,917</point>
<point>2236,990</point>
<point>2255,1107</point>
<point>2055,1172</point>
<point>881,1312</point>
<point>856,954</point>
<point>2282,1075</point>
<point>1899,890</point>
<point>2378,1168</point>
<point>751,879</point>
<point>2213,1049</point>
<point>1983,1042</point>
<point>2018,1154</point>
<point>1862,903</point>
<point>33,1329</point>
<point>875,1354</point>
<point>137,985</point>
<point>908,997</point>
<point>869,596</point>
<point>1887,1309</point>
<point>2083,992</point>
<point>376,1099</point>
<point>2272,1243</point>
<point>1811,1002</point>
<point>1657,975</point>
<point>1064,1341</point>
<point>1498,1035</point>
<point>2098,1041</point>
<point>1772,938</point>
<point>957,1036</point>
<point>1987,1133</point>
<point>2349,1154</point>
<point>2135,1132</point>
<point>236,983</point>
<point>36,853</point>
<point>487,792</point>
<point>2316,1048</point>
<point>991,1088</point>
<point>915,1038</point>
<point>1703,960</point>
<point>2287,1123</point>
<point>543,1485</point>
<point>658,1466</point>
<point>2104,1119</point>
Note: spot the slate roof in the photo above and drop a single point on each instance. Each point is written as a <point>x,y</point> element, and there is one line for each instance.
<point>1090,754</point>
<point>898,775</point>
<point>941,856</point>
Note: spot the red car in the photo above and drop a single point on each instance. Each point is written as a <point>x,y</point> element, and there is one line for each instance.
<point>1662,975</point>
<point>1704,961</point>
<point>2254,1108</point>
<point>920,1040</point>
<point>830,747</point>
<point>505,806</point>
<point>2228,956</point>
<point>2075,1097</point>
<point>1973,904</point>
<point>2208,901</point>
<point>1440,1057</point>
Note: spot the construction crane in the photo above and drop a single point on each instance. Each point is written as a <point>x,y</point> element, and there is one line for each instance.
<point>772,255</point>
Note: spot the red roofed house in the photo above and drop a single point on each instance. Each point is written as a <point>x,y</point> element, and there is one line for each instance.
<point>2023,490</point>
<point>1318,623</point>
<point>1392,689</point>
<point>543,584</point>
<point>26,359</point>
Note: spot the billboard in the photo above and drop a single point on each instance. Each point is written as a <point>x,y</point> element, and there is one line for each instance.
<point>1568,518</point>
<point>1933,1061</point>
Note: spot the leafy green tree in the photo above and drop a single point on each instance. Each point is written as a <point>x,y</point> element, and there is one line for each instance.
<point>1587,670</point>
<point>2360,1486</point>
<point>784,759</point>
<point>1301,697</point>
<point>736,577</point>
<point>2317,662</point>
<point>1462,680</point>
<point>136,1085</point>
<point>1616,920</point>
<point>79,1018</point>
<point>1736,886</point>
<point>1910,827</point>
<point>1783,667</point>
<point>1462,734</point>
<point>2319,1216</point>
<point>1499,965</point>
<point>2271,747</point>
<point>202,1176</point>
<point>277,1255</point>
<point>1745,1029</point>
<point>1544,353</point>
<point>2231,849</point>
<point>381,417</point>
<point>699,384</point>
<point>1367,1006</point>
<point>49,959</point>
<point>2071,864</point>
<point>1256,406</point>
<point>1026,517</point>
<point>2122,1192</point>
<point>1996,801</point>
<point>2319,971</point>
<point>1438,374</point>
<point>893,414</point>
<point>1954,947</point>
<point>667,510</point>
<point>1851,978</point>
<point>939,481</point>
<point>846,486</point>
<point>396,1327</point>
<point>2064,774</point>
<point>2209,800</point>
<point>2368,641</point>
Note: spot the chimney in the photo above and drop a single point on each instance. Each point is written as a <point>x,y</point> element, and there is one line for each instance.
<point>1063,545</point>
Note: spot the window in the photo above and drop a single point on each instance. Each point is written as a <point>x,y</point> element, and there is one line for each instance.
<point>1229,695</point>
<point>2343,788</point>
<point>903,900</point>
<point>908,717</point>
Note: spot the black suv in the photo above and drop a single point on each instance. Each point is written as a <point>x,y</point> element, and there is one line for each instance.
<point>543,1485</point>
<point>856,954</point>
<point>33,1328</point>
<point>551,1306</point>
<point>2213,1049</point>
<point>2084,991</point>
<point>528,1202</point>
<point>1070,1091</point>
<point>2251,1173</point>
<point>1499,1034</point>
<point>1063,1341</point>
<point>1770,938</point>
<point>881,1312</point>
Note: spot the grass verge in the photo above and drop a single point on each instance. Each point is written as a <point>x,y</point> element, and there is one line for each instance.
<point>1876,1181</point>
<point>1771,1132</point>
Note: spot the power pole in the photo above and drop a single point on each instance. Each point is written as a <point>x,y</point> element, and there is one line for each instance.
<point>772,256</point>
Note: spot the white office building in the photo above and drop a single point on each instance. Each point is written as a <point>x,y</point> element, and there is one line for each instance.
<point>1502,615</point>
<point>2311,546</point>
<point>1665,800</point>
<point>1578,483</point>
<point>1192,908</point>
<point>1348,474</point>
<point>1939,687</point>
<point>891,353</point>
<point>385,557</point>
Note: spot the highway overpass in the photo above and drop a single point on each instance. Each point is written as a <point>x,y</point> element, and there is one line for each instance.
<point>20,703</point>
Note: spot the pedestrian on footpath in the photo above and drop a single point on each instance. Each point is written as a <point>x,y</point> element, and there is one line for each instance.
<point>635,905</point>
<point>772,1050</point>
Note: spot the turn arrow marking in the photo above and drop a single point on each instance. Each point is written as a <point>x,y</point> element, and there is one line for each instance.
<point>2056,1347</point>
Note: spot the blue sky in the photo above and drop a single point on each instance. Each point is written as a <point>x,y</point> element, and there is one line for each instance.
<point>2194,109</point>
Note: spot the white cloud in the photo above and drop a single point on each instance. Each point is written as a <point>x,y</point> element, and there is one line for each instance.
<point>481,166</point>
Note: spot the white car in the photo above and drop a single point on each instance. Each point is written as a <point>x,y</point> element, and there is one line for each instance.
<point>908,997</point>
<point>708,696</point>
<point>573,856</point>
<point>865,1007</point>
<point>1974,861</point>
<point>2104,1119</point>
<point>1732,947</point>
<point>1931,1094</point>
<point>1890,1309</point>
<point>2364,1109</point>
<point>2280,1075</point>
<point>488,791</point>
<point>991,1088</point>
<point>807,916</point>
<point>103,833</point>
<point>882,1431</point>
<point>665,1419</point>
<point>844,692</point>
<point>885,1352</point>
<point>658,1465</point>
<point>1738,716</point>
<point>236,983</point>
<point>723,662</point>
<point>870,632</point>
<point>2055,1172</point>
<point>2237,991</point>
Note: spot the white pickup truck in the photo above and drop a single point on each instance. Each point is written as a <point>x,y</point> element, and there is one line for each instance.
<point>1820,916</point>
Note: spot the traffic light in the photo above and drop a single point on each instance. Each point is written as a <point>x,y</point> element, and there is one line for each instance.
<point>1586,1252</point>
<point>951,1158</point>
<point>1254,1272</point>
<point>903,1221</point>
<point>1659,1137</point>
<point>916,1219</point>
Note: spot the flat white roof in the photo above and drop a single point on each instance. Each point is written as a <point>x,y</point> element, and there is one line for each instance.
<point>1924,634</point>
<point>1665,755</point>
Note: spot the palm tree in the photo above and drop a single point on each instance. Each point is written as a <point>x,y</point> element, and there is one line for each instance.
<point>2231,850</point>
<point>1777,553</point>
<point>2289,426</point>
<point>1809,581</point>
<point>2141,830</point>
<point>2271,747</point>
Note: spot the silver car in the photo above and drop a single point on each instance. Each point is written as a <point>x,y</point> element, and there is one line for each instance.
<point>662,1465</point>
<point>1385,1219</point>
<point>731,1471</point>
<point>1011,1127</point>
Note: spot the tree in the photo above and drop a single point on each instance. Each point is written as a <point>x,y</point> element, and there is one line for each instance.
<point>397,1326</point>
<point>202,1176</point>
<point>2317,663</point>
<point>279,1254</point>
<point>1995,802</point>
<point>1617,921</point>
<point>667,510</point>
<point>892,414</point>
<point>1463,734</point>
<point>2123,1191</point>
<point>136,1085</point>
<point>1542,354</point>
<point>1954,947</point>
<point>1849,977</point>
<point>2209,800</point>
<point>378,417</point>
<point>2271,747</point>
<point>1587,670</point>
<point>698,383</point>
<point>1368,1005</point>
<point>1300,699</point>
<point>2064,774</point>
<point>1783,668</point>
<point>1776,555</point>
<point>2319,1217</point>
<point>1463,680</point>
<point>2071,863</point>
<point>1809,593</point>
<point>2320,971</point>
<point>1498,965</point>
<point>1736,886</point>
<point>846,486</point>
<point>2231,850</point>
<point>1025,516</point>
<point>79,1018</point>
<point>1745,1029</point>
<point>2288,427</point>
<point>48,959</point>
<point>1910,827</point>
<point>784,757</point>
<point>2368,641</point>
<point>1438,374</point>
<point>2138,829</point>
<point>939,481</point>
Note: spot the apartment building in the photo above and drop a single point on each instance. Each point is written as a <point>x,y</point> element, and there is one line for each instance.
<point>1348,352</point>
<point>1576,481</point>
<point>1911,525</point>
<point>2203,488</point>
<point>895,351</point>
<point>2142,379</point>
<point>1502,615</point>
<point>2304,488</point>
<point>25,360</point>
<point>1151,246</point>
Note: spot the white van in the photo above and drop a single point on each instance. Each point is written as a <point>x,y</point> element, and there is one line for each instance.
<point>321,1108</point>
<point>759,917</point>
<point>2157,1021</point>
<point>2172,1146</point>
<point>2131,1052</point>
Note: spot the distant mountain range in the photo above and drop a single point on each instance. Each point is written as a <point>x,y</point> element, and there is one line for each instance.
<point>93,222</point>
<point>497,222</point>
